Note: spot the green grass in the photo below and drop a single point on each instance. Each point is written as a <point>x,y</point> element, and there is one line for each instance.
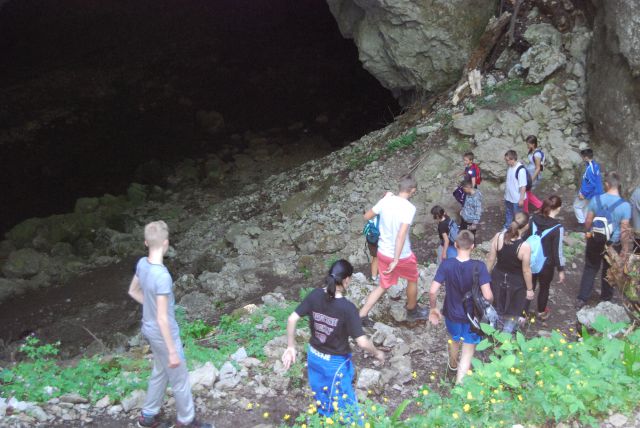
<point>510,93</point>
<point>359,158</point>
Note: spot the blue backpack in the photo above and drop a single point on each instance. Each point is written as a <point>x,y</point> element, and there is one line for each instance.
<point>541,158</point>
<point>537,252</point>
<point>371,231</point>
<point>603,220</point>
<point>454,229</point>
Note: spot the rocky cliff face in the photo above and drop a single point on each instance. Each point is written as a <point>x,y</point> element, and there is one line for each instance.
<point>613,89</point>
<point>409,45</point>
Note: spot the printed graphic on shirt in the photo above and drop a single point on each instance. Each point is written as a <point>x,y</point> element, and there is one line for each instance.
<point>323,326</point>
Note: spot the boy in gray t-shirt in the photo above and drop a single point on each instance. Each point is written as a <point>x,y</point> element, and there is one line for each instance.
<point>152,287</point>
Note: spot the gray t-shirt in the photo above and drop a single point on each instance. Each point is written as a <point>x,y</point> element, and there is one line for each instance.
<point>155,280</point>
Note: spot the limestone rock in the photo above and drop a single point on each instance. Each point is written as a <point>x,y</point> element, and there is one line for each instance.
<point>203,377</point>
<point>73,398</point>
<point>199,306</point>
<point>411,45</point>
<point>25,263</point>
<point>135,400</point>
<point>490,155</point>
<point>542,61</point>
<point>229,377</point>
<point>103,402</point>
<point>611,311</point>
<point>543,34</point>
<point>475,123</point>
<point>368,379</point>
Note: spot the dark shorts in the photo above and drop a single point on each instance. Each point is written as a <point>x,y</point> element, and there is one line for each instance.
<point>461,332</point>
<point>373,249</point>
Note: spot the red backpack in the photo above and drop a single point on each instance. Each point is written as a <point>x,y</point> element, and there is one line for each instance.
<point>476,168</point>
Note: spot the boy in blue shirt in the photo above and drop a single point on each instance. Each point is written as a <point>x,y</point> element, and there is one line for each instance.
<point>596,242</point>
<point>590,186</point>
<point>457,275</point>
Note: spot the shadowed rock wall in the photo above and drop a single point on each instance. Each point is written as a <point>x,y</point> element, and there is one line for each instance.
<point>613,87</point>
<point>413,45</point>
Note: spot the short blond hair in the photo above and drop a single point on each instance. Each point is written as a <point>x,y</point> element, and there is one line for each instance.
<point>155,233</point>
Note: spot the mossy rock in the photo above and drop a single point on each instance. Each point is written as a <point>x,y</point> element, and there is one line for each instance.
<point>25,263</point>
<point>23,233</point>
<point>86,205</point>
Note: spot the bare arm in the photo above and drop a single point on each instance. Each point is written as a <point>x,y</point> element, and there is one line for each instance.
<point>366,344</point>
<point>626,238</point>
<point>493,253</point>
<point>135,291</point>
<point>588,220</point>
<point>162,302</point>
<point>402,234</point>
<point>369,215</point>
<point>523,192</point>
<point>486,291</point>
<point>434,313</point>
<point>445,245</point>
<point>473,182</point>
<point>289,355</point>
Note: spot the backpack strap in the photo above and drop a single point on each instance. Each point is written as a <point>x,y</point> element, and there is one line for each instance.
<point>378,222</point>
<point>548,231</point>
<point>534,228</point>
<point>616,205</point>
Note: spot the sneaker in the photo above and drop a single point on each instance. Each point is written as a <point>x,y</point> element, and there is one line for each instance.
<point>580,304</point>
<point>375,279</point>
<point>366,321</point>
<point>544,315</point>
<point>417,314</point>
<point>150,422</point>
<point>194,424</point>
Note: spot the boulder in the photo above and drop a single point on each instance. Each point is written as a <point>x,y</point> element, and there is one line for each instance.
<point>543,34</point>
<point>369,379</point>
<point>611,311</point>
<point>135,400</point>
<point>229,377</point>
<point>542,61</point>
<point>203,377</point>
<point>410,45</point>
<point>25,263</point>
<point>490,156</point>
<point>475,123</point>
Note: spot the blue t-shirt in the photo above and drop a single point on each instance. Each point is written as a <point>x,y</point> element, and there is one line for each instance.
<point>457,278</point>
<point>622,212</point>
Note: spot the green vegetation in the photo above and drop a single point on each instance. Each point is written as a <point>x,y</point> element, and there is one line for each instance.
<point>360,158</point>
<point>509,93</point>
<point>42,377</point>
<point>529,381</point>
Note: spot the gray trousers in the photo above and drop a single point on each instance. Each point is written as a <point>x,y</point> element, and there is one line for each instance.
<point>178,378</point>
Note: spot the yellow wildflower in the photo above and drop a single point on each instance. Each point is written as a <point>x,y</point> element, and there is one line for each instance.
<point>374,408</point>
<point>425,392</point>
<point>469,396</point>
<point>466,407</point>
<point>414,375</point>
<point>498,375</point>
<point>519,397</point>
<point>249,406</point>
<point>265,415</point>
<point>286,417</point>
<point>329,421</point>
<point>559,353</point>
<point>455,415</point>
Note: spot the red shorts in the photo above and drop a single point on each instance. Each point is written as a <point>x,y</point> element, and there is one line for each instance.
<point>406,268</point>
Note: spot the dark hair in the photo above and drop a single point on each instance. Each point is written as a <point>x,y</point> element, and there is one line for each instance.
<point>612,179</point>
<point>549,204</point>
<point>407,183</point>
<point>586,153</point>
<point>466,182</point>
<point>437,212</point>
<point>464,241</point>
<point>468,155</point>
<point>511,155</point>
<point>339,271</point>
<point>532,139</point>
<point>520,221</point>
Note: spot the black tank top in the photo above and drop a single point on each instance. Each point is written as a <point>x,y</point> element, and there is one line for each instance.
<point>508,261</point>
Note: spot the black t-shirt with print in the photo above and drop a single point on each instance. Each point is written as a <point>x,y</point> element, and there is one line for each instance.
<point>331,322</point>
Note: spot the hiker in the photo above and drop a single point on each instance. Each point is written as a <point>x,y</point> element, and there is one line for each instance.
<point>608,224</point>
<point>534,168</point>
<point>446,249</point>
<point>395,258</point>
<point>635,216</point>
<point>472,208</point>
<point>372,247</point>
<point>515,188</point>
<point>457,276</point>
<point>590,186</point>
<point>332,320</point>
<point>472,173</point>
<point>151,286</point>
<point>552,249</point>
<point>509,264</point>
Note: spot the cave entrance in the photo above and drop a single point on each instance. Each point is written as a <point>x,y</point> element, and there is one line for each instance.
<point>95,88</point>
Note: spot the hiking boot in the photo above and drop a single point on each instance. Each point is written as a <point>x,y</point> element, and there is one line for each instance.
<point>417,314</point>
<point>150,422</point>
<point>366,321</point>
<point>194,424</point>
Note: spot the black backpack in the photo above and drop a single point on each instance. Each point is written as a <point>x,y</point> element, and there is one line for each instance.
<point>476,307</point>
<point>529,182</point>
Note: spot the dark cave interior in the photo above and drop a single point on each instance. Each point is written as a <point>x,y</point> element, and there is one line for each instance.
<point>92,89</point>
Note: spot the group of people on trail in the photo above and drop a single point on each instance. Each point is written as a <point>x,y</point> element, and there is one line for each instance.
<point>523,256</point>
